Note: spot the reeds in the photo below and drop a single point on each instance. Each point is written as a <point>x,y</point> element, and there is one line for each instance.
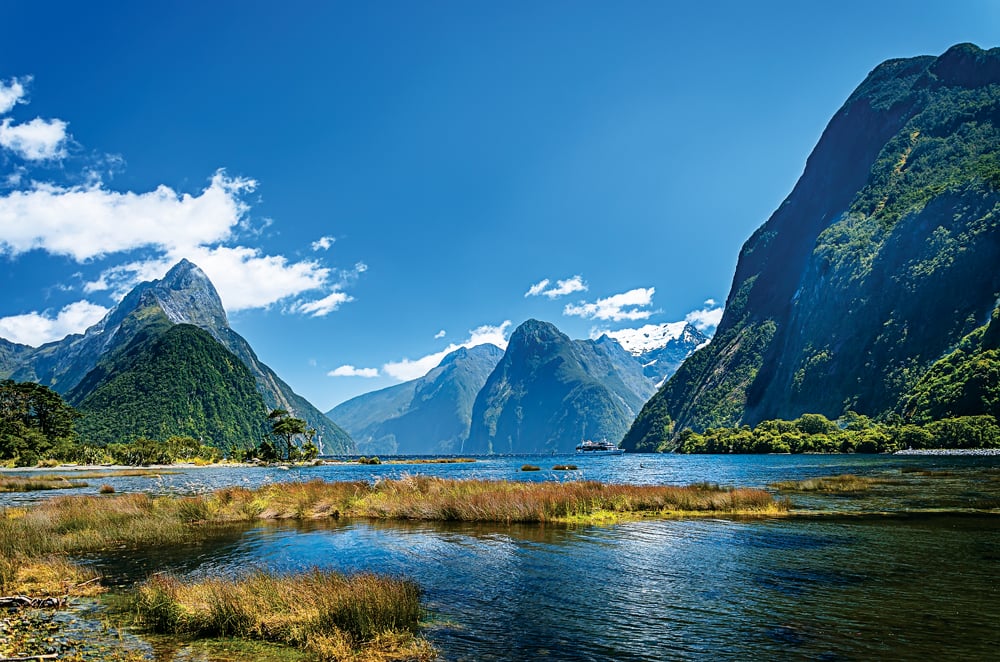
<point>330,615</point>
<point>33,483</point>
<point>431,498</point>
<point>841,483</point>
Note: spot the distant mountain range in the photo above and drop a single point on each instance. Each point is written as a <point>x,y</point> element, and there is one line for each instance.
<point>545,393</point>
<point>874,287</point>
<point>429,415</point>
<point>165,361</point>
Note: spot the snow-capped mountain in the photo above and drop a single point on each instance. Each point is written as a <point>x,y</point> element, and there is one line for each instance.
<point>661,348</point>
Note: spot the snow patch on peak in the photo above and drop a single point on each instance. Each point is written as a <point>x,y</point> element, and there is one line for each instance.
<point>646,338</point>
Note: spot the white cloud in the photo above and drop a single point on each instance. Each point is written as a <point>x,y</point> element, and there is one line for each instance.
<point>351,371</point>
<point>85,223</point>
<point>37,140</point>
<point>11,94</point>
<point>562,288</point>
<point>89,222</point>
<point>38,328</point>
<point>440,334</point>
<point>631,305</point>
<point>323,243</point>
<point>537,288</point>
<point>408,369</point>
<point>324,306</point>
<point>706,319</point>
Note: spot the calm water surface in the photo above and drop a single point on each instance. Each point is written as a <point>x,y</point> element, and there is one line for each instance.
<point>908,570</point>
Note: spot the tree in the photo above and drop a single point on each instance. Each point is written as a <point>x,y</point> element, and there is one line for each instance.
<point>33,420</point>
<point>286,427</point>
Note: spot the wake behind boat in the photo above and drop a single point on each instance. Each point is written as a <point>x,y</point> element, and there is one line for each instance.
<point>603,447</point>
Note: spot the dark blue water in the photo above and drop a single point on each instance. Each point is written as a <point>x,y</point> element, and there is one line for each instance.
<point>907,570</point>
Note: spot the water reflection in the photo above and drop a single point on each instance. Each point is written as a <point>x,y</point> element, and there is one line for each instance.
<point>905,570</point>
<point>849,588</point>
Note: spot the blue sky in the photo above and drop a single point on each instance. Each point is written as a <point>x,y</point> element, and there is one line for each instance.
<point>369,184</point>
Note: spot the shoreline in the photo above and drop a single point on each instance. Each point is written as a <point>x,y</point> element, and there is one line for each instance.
<point>974,452</point>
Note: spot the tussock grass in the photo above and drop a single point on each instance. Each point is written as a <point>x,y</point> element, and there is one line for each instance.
<point>33,483</point>
<point>431,498</point>
<point>841,483</point>
<point>564,467</point>
<point>530,467</point>
<point>330,615</point>
<point>434,460</point>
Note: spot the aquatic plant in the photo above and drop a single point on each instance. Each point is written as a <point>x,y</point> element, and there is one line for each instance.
<point>34,483</point>
<point>841,483</point>
<point>530,467</point>
<point>328,614</point>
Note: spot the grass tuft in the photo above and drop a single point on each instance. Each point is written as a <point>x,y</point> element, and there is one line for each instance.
<point>841,483</point>
<point>35,483</point>
<point>333,616</point>
<point>530,467</point>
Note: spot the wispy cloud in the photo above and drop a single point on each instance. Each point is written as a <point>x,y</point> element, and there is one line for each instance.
<point>12,93</point>
<point>707,318</point>
<point>408,369</point>
<point>631,305</point>
<point>351,371</point>
<point>323,243</point>
<point>37,140</point>
<point>324,306</point>
<point>440,334</point>
<point>39,328</point>
<point>561,288</point>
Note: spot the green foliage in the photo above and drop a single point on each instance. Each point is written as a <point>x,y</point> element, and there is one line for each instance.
<point>34,423</point>
<point>813,433</point>
<point>966,382</point>
<point>176,381</point>
<point>143,452</point>
<point>286,427</point>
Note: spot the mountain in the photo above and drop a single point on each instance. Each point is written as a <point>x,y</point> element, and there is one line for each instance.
<point>660,348</point>
<point>429,415</point>
<point>880,261</point>
<point>170,379</point>
<point>184,296</point>
<point>549,392</point>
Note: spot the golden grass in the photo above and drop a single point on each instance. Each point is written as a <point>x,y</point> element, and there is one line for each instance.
<point>434,460</point>
<point>841,483</point>
<point>431,498</point>
<point>330,615</point>
<point>33,483</point>
<point>51,576</point>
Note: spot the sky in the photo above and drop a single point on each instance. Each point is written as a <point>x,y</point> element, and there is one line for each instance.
<point>373,184</point>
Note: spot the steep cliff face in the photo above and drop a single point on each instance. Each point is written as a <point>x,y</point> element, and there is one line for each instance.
<point>429,415</point>
<point>549,392</point>
<point>877,264</point>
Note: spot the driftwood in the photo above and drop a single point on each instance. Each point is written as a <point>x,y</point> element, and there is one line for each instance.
<point>21,601</point>
<point>30,658</point>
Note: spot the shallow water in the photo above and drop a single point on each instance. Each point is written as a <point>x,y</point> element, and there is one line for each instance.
<point>908,569</point>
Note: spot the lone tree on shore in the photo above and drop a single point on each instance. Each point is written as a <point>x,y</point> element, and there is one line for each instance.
<point>285,426</point>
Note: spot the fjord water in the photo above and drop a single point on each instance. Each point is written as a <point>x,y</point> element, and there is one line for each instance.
<point>909,569</point>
